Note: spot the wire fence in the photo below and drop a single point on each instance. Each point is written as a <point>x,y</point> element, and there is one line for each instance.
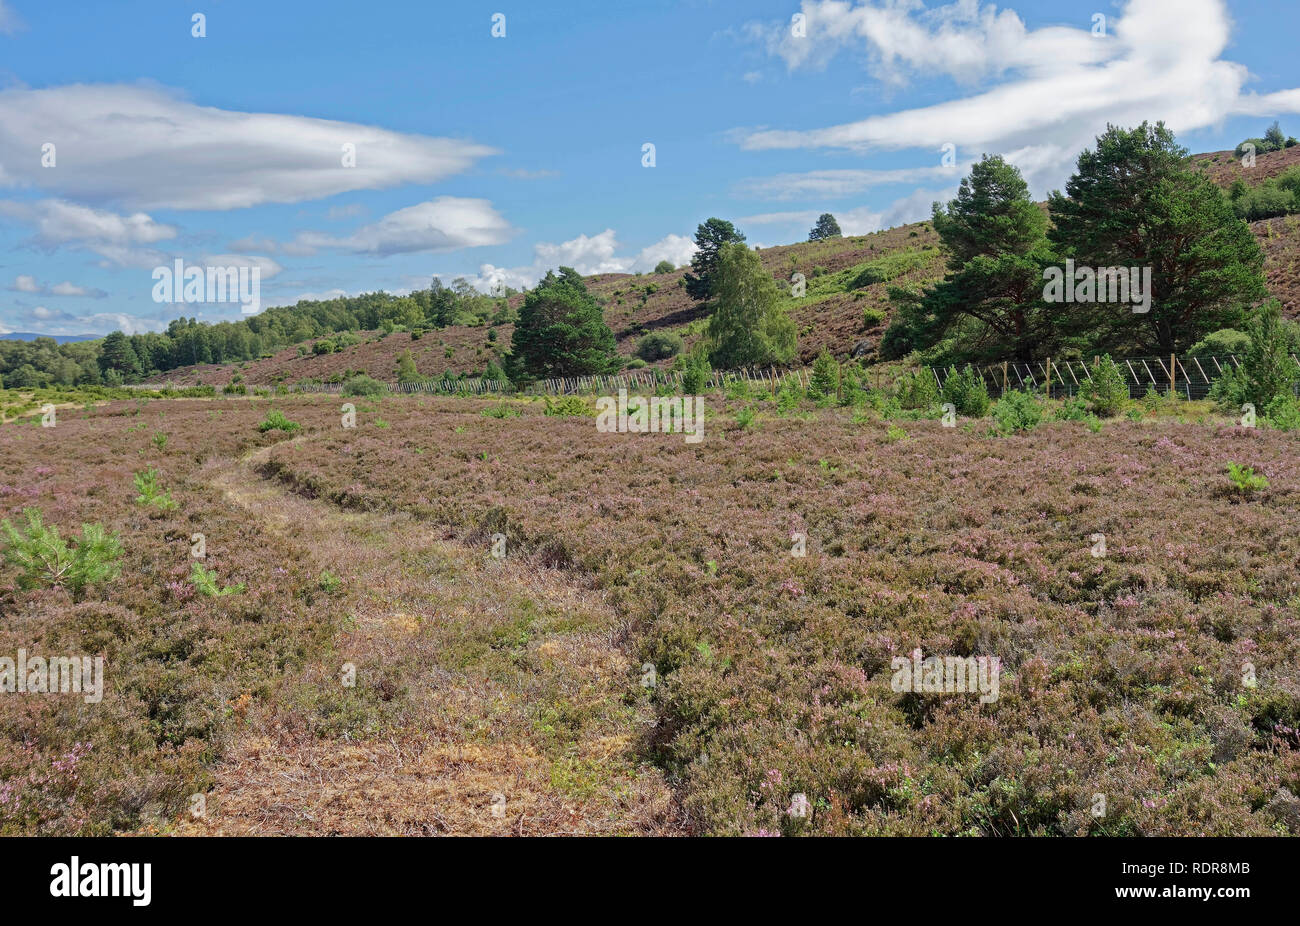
<point>1192,377</point>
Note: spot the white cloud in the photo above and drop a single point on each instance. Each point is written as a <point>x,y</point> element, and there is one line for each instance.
<point>447,223</point>
<point>146,148</point>
<point>28,284</point>
<point>833,183</point>
<point>121,240</point>
<point>9,21</point>
<point>588,255</point>
<point>1160,60</point>
<point>268,267</point>
<point>862,220</point>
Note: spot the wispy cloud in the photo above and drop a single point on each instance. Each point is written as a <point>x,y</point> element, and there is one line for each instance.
<point>146,148</point>
<point>1159,59</point>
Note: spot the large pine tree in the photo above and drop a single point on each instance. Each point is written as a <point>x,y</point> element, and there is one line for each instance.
<point>1136,201</point>
<point>561,332</point>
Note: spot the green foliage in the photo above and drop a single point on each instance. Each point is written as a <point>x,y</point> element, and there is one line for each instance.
<point>1283,413</point>
<point>1107,392</point>
<point>406,370</point>
<point>329,583</point>
<point>916,389</point>
<point>990,304</point>
<point>503,410</point>
<point>1222,343</point>
<point>852,380</point>
<point>561,332</point>
<point>1075,408</point>
<point>710,238</point>
<point>748,328</point>
<point>1135,200</point>
<point>1244,479</point>
<point>1017,411</point>
<point>1267,369</point>
<point>151,495</point>
<point>1273,140</point>
<point>664,266</point>
<point>967,391</point>
<point>276,421</point>
<point>362,385</point>
<point>569,406</point>
<point>745,417</point>
<point>44,559</point>
<point>825,380</point>
<point>695,372</point>
<point>826,227</point>
<point>659,345</point>
<point>205,583</point>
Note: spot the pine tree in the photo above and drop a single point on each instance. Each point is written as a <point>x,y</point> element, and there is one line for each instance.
<point>710,237</point>
<point>826,227</point>
<point>1135,201</point>
<point>561,332</point>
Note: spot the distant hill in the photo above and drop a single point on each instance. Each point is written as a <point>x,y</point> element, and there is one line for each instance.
<point>58,338</point>
<point>846,308</point>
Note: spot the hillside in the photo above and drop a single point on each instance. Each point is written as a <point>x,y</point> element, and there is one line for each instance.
<point>845,310</point>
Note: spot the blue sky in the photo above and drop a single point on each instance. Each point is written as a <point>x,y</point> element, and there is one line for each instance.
<point>494,158</point>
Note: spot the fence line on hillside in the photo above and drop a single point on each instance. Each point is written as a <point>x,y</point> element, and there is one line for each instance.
<point>1192,376</point>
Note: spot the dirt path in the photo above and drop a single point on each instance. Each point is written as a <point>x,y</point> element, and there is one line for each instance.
<point>490,696</point>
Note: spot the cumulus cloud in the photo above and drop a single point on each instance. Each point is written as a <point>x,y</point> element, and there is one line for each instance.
<point>1160,59</point>
<point>862,220</point>
<point>147,148</point>
<point>588,255</point>
<point>122,240</point>
<point>28,284</point>
<point>443,224</point>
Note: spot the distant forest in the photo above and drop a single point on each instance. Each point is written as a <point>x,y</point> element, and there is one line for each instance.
<point>122,358</point>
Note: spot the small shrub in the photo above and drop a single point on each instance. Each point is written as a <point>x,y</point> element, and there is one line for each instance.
<point>362,385</point>
<point>1283,413</point>
<point>151,494</point>
<point>967,392</point>
<point>1017,411</point>
<point>695,373</point>
<point>276,421</point>
<point>501,411</point>
<point>745,417</point>
<point>1245,481</point>
<point>329,583</point>
<point>1075,408</point>
<point>917,389</point>
<point>43,558</point>
<point>569,406</point>
<point>1107,390</point>
<point>205,583</point>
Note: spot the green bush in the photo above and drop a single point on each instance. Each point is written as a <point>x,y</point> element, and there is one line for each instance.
<point>695,373</point>
<point>825,380</point>
<point>205,582</point>
<point>276,421</point>
<point>1107,390</point>
<point>1283,413</point>
<point>569,406</point>
<point>967,392</point>
<point>916,389</point>
<point>363,385</point>
<point>43,558</point>
<point>1245,481</point>
<point>151,495</point>
<point>1017,411</point>
<point>1075,408</point>
<point>658,345</point>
